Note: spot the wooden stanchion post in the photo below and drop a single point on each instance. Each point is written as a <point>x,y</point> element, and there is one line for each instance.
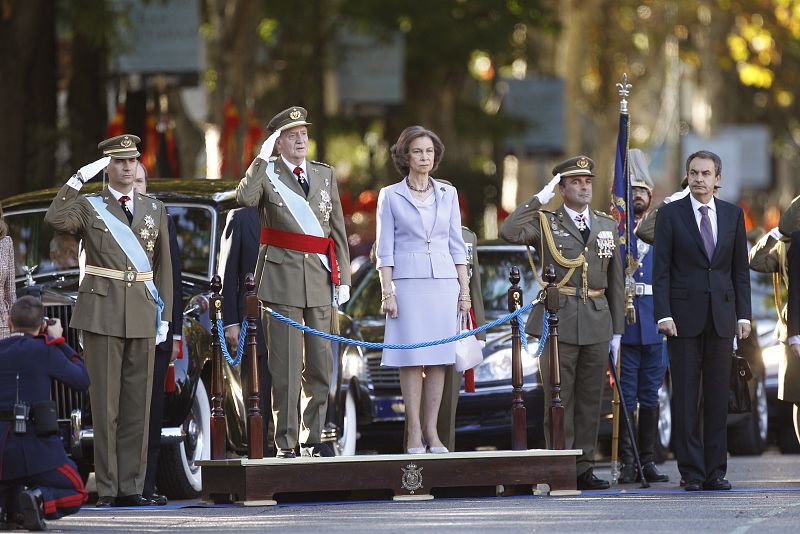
<point>255,424</point>
<point>218,428</point>
<point>519,423</point>
<point>557,440</point>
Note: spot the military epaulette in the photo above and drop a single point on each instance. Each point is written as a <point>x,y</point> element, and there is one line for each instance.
<point>150,197</point>
<point>320,163</point>
<point>603,214</point>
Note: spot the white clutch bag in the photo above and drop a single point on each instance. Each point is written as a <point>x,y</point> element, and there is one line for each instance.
<point>468,349</point>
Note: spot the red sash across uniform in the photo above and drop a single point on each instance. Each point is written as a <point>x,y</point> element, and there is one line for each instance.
<point>303,243</point>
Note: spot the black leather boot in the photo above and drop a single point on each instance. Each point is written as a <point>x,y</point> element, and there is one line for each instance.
<point>648,430</point>
<point>628,474</point>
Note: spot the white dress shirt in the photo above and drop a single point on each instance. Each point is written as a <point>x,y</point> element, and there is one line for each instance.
<point>573,214</point>
<point>712,215</point>
<point>117,194</point>
<point>302,166</point>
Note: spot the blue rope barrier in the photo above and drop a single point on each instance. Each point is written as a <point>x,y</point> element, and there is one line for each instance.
<point>523,336</point>
<point>401,346</point>
<point>240,347</point>
<point>545,335</point>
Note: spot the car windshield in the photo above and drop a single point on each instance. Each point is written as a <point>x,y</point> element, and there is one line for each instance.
<point>36,243</point>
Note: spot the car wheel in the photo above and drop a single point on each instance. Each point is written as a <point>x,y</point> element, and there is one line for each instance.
<point>664,435</point>
<point>346,444</point>
<point>179,477</point>
<point>750,437</point>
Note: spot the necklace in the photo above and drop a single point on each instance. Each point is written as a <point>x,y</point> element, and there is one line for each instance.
<point>424,190</point>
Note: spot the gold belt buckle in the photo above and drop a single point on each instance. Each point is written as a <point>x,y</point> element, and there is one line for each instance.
<point>130,276</point>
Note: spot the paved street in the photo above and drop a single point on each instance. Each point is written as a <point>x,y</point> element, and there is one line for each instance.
<point>766,498</point>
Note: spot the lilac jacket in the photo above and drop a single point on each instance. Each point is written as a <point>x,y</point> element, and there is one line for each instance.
<point>401,239</point>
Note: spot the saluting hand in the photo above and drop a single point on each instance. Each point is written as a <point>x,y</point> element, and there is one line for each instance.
<point>87,172</point>
<point>548,192</point>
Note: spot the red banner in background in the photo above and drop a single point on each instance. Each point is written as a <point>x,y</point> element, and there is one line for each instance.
<point>252,136</point>
<point>227,141</point>
<point>150,142</point>
<point>117,124</point>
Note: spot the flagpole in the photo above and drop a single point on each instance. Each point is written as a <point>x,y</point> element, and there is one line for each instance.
<point>624,89</point>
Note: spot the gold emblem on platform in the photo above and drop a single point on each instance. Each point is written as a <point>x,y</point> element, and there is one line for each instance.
<point>294,115</point>
<point>412,478</point>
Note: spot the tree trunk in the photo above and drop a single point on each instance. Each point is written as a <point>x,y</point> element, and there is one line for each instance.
<point>27,95</point>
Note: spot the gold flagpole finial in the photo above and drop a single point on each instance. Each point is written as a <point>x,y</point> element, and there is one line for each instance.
<point>624,89</point>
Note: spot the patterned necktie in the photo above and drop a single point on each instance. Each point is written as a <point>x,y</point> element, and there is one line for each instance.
<point>582,226</point>
<point>302,179</point>
<point>705,231</point>
<point>123,200</point>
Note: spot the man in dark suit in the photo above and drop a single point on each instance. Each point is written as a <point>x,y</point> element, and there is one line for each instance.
<point>789,389</point>
<point>701,284</point>
<point>237,257</point>
<point>166,352</point>
<point>33,457</point>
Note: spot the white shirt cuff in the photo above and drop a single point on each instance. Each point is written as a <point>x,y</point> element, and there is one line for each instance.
<point>743,321</point>
<point>665,319</point>
<point>75,183</point>
<point>177,338</point>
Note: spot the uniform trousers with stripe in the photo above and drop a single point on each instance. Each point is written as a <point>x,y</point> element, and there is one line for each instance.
<point>62,489</point>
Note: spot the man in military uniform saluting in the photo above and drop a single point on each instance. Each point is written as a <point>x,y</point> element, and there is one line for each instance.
<point>302,273</point>
<point>123,303</point>
<point>581,244</point>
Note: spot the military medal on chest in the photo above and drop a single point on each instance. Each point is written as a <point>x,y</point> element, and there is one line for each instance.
<point>149,233</point>
<point>605,244</point>
<point>325,205</point>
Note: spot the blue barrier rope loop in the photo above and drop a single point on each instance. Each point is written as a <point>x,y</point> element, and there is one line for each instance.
<point>402,346</point>
<point>545,334</point>
<point>239,349</point>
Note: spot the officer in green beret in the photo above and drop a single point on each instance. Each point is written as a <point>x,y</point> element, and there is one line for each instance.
<point>582,245</point>
<point>123,305</point>
<point>302,273</point>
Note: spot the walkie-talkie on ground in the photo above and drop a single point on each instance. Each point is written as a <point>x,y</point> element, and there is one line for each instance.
<point>20,414</point>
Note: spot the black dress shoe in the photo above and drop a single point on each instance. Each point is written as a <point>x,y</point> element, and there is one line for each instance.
<point>628,474</point>
<point>587,481</point>
<point>157,499</point>
<point>717,484</point>
<point>31,506</point>
<point>651,474</point>
<point>104,502</point>
<point>320,450</point>
<point>693,485</point>
<point>285,453</point>
<point>133,500</point>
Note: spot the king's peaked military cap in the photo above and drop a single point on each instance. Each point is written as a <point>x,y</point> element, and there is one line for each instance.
<point>577,166</point>
<point>120,146</point>
<point>289,118</point>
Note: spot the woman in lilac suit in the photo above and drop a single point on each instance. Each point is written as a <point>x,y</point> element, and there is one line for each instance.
<point>422,261</point>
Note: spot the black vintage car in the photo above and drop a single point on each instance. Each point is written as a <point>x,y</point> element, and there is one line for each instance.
<point>47,265</point>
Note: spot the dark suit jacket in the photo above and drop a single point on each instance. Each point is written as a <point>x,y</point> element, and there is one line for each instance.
<point>176,321</point>
<point>793,304</point>
<point>684,278</point>
<point>39,361</point>
<point>238,256</point>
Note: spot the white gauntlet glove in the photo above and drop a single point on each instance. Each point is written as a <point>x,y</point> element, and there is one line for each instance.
<point>163,330</point>
<point>677,196</point>
<point>548,192</point>
<point>269,144</point>
<point>87,172</point>
<point>344,295</point>
<point>776,234</point>
<point>613,346</point>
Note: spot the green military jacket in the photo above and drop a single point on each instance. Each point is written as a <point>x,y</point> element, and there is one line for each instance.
<point>287,276</point>
<point>580,323</point>
<point>115,307</point>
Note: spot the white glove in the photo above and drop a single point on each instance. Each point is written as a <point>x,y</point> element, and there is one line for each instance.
<point>776,234</point>
<point>87,172</point>
<point>549,191</point>
<point>677,196</point>
<point>344,295</point>
<point>613,347</point>
<point>163,330</point>
<point>269,144</point>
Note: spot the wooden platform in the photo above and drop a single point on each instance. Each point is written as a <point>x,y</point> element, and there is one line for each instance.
<point>401,476</point>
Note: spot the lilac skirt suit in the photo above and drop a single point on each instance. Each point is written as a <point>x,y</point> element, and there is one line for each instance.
<point>423,243</point>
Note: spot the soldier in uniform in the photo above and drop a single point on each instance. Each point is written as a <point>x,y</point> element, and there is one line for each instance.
<point>643,358</point>
<point>32,456</point>
<point>124,301</point>
<point>302,273</point>
<point>582,245</point>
